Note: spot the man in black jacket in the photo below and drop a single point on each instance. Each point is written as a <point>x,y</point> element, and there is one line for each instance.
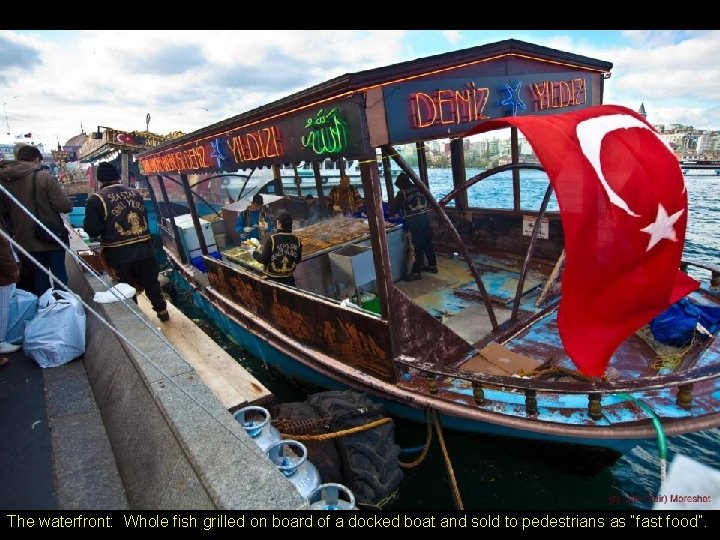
<point>118,216</point>
<point>414,205</point>
<point>281,252</point>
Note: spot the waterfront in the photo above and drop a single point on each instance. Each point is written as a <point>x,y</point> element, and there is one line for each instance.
<point>510,474</point>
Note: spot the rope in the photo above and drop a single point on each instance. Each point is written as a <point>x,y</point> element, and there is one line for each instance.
<point>342,433</point>
<point>423,454</point>
<point>668,357</point>
<point>448,465</point>
<point>555,371</point>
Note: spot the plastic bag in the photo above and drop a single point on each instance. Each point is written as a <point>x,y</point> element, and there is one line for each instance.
<point>676,325</point>
<point>57,333</point>
<point>23,307</point>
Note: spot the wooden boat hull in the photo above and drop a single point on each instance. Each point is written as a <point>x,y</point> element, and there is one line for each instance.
<point>313,369</point>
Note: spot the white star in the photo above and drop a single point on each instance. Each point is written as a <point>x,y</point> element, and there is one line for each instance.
<point>662,227</point>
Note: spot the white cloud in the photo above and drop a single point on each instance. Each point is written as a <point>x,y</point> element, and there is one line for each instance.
<point>453,36</point>
<point>190,79</point>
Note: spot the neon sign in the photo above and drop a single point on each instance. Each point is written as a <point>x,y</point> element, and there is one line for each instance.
<point>250,146</point>
<point>193,158</point>
<point>263,143</point>
<point>217,152</point>
<point>558,94</point>
<point>449,106</point>
<point>328,133</point>
<point>513,98</point>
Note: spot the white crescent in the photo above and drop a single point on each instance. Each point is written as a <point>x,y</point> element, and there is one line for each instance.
<point>591,133</point>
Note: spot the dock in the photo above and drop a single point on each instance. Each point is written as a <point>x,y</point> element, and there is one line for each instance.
<point>223,375</point>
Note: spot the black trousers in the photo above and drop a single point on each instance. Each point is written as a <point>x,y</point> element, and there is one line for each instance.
<point>143,275</point>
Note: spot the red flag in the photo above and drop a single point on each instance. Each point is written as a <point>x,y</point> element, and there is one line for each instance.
<point>125,138</point>
<point>624,211</point>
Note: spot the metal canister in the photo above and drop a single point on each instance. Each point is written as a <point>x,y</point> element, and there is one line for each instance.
<point>290,457</point>
<point>332,497</point>
<point>256,422</point>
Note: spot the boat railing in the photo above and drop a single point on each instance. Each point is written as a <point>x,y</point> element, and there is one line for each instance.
<point>439,377</point>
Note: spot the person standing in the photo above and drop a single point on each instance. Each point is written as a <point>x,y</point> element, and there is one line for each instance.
<point>281,252</point>
<point>41,195</point>
<point>252,222</point>
<point>414,205</point>
<point>9,274</point>
<point>344,199</point>
<point>117,215</point>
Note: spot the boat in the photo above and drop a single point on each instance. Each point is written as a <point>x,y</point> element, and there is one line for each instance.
<point>512,337</point>
<point>700,167</point>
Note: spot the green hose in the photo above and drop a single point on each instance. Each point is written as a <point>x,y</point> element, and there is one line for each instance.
<point>662,443</point>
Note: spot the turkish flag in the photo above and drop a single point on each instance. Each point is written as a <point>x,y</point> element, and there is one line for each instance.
<point>624,211</point>
<point>125,138</point>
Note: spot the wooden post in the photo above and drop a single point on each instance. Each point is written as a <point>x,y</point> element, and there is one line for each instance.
<point>457,162</point>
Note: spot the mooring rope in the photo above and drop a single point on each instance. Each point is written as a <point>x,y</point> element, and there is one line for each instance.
<point>341,433</point>
<point>448,465</point>
<point>426,447</point>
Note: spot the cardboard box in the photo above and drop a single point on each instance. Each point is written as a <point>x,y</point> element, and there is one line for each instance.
<point>496,359</point>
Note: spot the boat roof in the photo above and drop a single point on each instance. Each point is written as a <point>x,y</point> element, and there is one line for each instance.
<point>364,110</point>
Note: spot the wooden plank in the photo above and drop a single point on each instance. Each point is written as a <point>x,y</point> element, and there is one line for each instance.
<point>225,377</point>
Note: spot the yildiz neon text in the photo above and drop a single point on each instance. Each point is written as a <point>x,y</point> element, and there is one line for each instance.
<point>449,106</point>
<point>328,133</point>
<point>260,144</point>
<point>558,94</point>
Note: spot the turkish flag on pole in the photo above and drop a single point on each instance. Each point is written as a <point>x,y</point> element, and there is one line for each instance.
<point>624,211</point>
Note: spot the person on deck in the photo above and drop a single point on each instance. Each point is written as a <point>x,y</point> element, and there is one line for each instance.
<point>46,201</point>
<point>117,215</point>
<point>253,221</point>
<point>344,199</point>
<point>281,252</point>
<point>414,206</point>
<point>315,210</point>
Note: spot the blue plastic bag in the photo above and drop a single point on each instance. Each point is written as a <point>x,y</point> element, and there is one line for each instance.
<point>676,325</point>
<point>23,306</point>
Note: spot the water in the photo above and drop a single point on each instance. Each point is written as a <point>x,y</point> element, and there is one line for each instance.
<point>507,474</point>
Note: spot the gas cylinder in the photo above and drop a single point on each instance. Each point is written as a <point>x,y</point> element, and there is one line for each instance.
<point>290,457</point>
<point>332,497</point>
<point>256,422</point>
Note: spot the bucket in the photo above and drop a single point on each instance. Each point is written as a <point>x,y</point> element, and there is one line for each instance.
<point>369,301</point>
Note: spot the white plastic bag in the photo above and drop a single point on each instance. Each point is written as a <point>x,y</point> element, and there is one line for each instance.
<point>57,333</point>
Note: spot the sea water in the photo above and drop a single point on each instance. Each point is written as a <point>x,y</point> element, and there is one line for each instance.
<point>515,474</point>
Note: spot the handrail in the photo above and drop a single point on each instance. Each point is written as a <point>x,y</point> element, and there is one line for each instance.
<point>596,386</point>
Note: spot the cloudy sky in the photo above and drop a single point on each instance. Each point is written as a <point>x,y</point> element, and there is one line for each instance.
<point>54,82</point>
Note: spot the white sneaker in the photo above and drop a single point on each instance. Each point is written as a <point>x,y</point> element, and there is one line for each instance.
<point>6,347</point>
